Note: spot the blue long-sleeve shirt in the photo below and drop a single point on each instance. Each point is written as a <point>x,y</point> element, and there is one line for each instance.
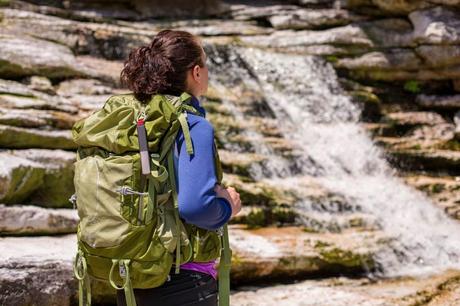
<point>196,177</point>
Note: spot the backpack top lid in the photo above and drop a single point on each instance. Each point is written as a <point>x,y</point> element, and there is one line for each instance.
<point>113,127</point>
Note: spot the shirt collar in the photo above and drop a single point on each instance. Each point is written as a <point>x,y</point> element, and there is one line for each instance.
<point>196,104</point>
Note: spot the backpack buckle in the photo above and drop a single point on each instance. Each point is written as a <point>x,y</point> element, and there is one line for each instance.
<point>122,270</point>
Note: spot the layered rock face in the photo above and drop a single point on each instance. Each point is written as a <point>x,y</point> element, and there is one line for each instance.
<point>398,62</point>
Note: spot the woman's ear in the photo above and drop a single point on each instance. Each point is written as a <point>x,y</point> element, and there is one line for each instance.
<point>196,73</point>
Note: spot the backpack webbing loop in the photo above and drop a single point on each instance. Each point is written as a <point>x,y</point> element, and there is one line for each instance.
<point>83,279</point>
<point>186,131</point>
<point>123,268</point>
<point>176,205</point>
<point>224,269</point>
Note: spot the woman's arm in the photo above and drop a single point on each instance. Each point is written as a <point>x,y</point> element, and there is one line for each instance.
<point>196,178</point>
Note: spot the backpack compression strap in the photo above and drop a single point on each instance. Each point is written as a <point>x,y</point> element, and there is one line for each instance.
<point>225,262</point>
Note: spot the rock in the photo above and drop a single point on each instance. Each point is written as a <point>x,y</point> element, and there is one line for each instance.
<point>275,253</point>
<point>239,163</point>
<point>82,87</point>
<point>397,75</point>
<point>222,27</point>
<point>248,12</point>
<point>281,253</point>
<point>350,35</point>
<point>38,58</point>
<point>394,59</point>
<point>443,190</point>
<point>85,11</point>
<point>438,102</point>
<point>37,118</point>
<point>311,19</point>
<point>400,7</point>
<point>456,84</point>
<point>440,289</point>
<point>18,137</point>
<point>389,32</point>
<point>457,125</point>
<point>430,160</point>
<point>438,25</point>
<point>19,177</point>
<point>37,176</point>
<point>108,71</point>
<point>41,102</point>
<point>439,56</point>
<point>179,8</point>
<point>41,84</point>
<point>57,184</point>
<point>413,118</point>
<point>26,220</point>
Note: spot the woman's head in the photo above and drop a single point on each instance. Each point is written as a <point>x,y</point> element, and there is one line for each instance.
<point>172,63</point>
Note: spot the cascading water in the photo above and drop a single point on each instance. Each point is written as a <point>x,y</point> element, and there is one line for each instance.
<point>316,114</point>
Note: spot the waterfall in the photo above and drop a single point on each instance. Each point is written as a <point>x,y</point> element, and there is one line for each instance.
<point>316,115</point>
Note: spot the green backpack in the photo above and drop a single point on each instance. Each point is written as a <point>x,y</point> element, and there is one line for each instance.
<point>130,233</point>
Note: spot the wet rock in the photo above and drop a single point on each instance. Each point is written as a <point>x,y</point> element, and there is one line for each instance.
<point>290,252</point>
<point>438,56</point>
<point>414,118</point>
<point>438,102</point>
<point>438,25</point>
<point>394,59</point>
<point>24,56</point>
<point>272,252</point>
<point>429,160</point>
<point>26,220</point>
<point>389,32</point>
<point>239,163</point>
<point>443,190</point>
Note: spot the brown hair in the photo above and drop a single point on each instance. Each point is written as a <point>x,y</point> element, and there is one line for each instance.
<point>161,67</point>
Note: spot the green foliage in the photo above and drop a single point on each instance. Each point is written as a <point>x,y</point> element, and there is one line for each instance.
<point>412,86</point>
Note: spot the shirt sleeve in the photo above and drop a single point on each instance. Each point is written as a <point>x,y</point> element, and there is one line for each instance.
<point>196,178</point>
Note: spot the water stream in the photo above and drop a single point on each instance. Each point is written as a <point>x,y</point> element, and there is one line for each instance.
<point>313,112</point>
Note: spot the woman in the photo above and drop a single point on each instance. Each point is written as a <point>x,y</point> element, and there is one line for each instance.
<point>174,62</point>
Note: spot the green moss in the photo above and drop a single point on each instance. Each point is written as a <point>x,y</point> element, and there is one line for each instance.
<point>365,97</point>
<point>4,3</point>
<point>332,58</point>
<point>336,256</point>
<point>412,87</point>
<point>453,145</point>
<point>437,188</point>
<point>256,218</point>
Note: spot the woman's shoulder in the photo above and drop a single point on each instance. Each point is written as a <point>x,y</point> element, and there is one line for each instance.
<point>197,122</point>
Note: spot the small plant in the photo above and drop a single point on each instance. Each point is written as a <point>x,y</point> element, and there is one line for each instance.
<point>412,86</point>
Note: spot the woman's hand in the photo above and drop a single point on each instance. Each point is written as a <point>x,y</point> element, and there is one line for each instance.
<point>231,195</point>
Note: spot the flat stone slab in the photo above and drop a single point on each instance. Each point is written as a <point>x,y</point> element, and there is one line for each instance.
<point>40,268</point>
<point>27,220</point>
